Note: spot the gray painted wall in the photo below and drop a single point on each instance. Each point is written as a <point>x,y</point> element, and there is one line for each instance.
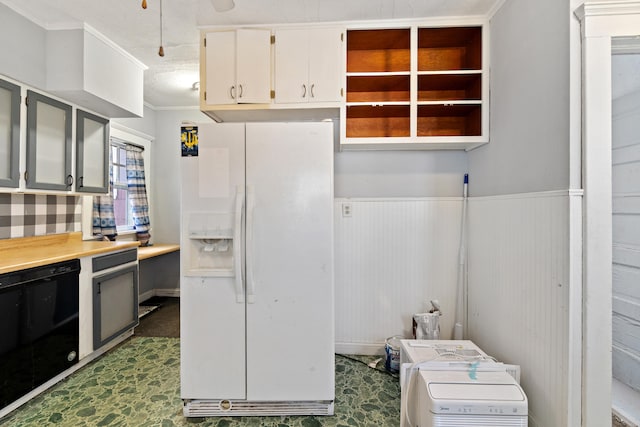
<point>23,47</point>
<point>399,173</point>
<point>530,95</point>
<point>166,168</point>
<point>146,124</point>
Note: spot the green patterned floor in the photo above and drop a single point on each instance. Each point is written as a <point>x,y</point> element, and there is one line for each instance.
<point>138,384</point>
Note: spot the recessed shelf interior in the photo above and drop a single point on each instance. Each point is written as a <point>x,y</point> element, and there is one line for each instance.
<point>393,88</point>
<point>365,121</point>
<point>451,48</point>
<point>386,50</point>
<point>447,80</point>
<point>453,87</point>
<point>449,120</point>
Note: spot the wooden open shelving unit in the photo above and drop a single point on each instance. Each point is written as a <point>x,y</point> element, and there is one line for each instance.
<point>378,83</point>
<point>437,97</point>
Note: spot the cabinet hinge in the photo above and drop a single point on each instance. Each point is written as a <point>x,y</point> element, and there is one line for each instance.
<point>273,39</point>
<point>273,94</point>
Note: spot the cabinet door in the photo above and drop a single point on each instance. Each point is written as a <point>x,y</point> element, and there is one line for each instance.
<point>308,65</point>
<point>253,74</point>
<point>9,133</point>
<point>292,66</point>
<point>115,304</point>
<point>220,52</point>
<point>48,143</point>
<point>92,153</point>
<point>325,64</point>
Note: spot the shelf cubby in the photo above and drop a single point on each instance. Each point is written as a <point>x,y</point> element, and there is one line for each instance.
<point>368,121</point>
<point>378,88</point>
<point>370,51</point>
<point>449,120</point>
<point>449,87</point>
<point>449,48</point>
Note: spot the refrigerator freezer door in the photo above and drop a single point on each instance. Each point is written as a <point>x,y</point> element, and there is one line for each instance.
<point>212,317</point>
<point>290,327</point>
<point>212,364</point>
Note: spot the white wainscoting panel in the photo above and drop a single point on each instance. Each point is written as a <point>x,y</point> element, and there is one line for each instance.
<point>392,256</point>
<point>524,295</point>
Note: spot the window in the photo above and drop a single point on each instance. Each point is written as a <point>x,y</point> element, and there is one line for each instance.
<point>118,212</point>
<point>121,204</point>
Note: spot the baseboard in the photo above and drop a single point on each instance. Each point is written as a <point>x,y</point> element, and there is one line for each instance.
<point>175,292</point>
<point>159,293</point>
<point>146,295</point>
<point>369,349</point>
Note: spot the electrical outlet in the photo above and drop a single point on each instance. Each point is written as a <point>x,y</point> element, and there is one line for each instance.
<point>346,209</point>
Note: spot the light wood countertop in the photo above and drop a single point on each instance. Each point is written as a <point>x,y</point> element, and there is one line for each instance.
<point>27,252</point>
<point>155,250</point>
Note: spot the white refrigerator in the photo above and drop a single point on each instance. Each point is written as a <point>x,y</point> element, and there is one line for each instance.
<point>257,312</point>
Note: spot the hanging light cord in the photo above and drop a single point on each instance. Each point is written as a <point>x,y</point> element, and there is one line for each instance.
<point>161,50</point>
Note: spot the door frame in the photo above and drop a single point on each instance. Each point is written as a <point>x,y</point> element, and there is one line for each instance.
<point>600,22</point>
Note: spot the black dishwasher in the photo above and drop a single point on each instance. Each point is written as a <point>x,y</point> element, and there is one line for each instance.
<point>39,331</point>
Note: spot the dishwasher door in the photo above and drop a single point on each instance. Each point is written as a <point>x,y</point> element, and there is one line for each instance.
<point>39,332</point>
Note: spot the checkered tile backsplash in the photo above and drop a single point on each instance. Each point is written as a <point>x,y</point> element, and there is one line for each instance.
<point>25,215</point>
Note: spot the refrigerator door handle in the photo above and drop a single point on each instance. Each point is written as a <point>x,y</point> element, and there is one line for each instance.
<point>237,245</point>
<point>249,249</point>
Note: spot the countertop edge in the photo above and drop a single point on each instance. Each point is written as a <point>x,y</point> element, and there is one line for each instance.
<point>24,258</point>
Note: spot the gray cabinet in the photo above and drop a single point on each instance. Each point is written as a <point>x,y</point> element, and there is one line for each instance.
<point>48,143</point>
<point>115,295</point>
<point>92,153</point>
<point>9,134</point>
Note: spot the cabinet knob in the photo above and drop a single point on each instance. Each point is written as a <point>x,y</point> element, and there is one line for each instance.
<point>240,96</point>
<point>312,86</point>
<point>304,90</point>
<point>81,182</point>
<point>232,92</point>
<point>69,180</point>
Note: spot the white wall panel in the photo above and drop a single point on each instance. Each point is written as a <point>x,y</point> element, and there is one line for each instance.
<point>392,256</point>
<point>626,237</point>
<point>522,306</point>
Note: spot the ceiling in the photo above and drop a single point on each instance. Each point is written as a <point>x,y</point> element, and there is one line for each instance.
<point>169,80</point>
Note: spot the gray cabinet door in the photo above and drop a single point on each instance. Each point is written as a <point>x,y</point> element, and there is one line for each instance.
<point>92,153</point>
<point>9,134</point>
<point>48,143</point>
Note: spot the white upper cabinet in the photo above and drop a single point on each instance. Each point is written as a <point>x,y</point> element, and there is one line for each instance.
<point>237,67</point>
<point>84,67</point>
<point>308,65</point>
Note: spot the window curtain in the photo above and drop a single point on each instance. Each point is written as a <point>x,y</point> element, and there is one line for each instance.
<point>104,221</point>
<point>138,195</point>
